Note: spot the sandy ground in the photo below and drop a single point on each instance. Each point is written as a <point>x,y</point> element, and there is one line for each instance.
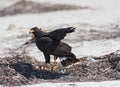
<point>22,7</point>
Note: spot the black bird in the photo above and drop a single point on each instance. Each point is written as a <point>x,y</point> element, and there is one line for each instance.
<point>50,44</point>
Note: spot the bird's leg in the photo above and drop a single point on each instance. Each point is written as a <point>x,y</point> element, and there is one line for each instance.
<point>55,65</point>
<point>47,61</point>
<point>55,58</point>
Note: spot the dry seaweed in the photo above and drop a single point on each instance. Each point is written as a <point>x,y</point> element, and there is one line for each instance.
<point>22,70</point>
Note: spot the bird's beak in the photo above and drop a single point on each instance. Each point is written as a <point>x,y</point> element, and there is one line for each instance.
<point>31,31</point>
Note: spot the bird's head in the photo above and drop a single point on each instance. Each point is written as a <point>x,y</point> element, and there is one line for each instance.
<point>35,31</point>
<point>32,32</point>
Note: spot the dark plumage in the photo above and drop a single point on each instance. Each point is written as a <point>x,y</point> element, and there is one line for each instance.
<point>50,44</point>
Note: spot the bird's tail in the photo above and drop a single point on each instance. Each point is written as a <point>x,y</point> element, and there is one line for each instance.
<point>70,29</point>
<point>69,60</point>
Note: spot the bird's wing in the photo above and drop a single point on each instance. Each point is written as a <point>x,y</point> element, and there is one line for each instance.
<point>44,43</point>
<point>44,40</point>
<point>63,49</point>
<point>29,42</point>
<point>59,34</point>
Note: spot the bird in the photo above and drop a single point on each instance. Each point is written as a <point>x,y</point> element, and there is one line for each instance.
<point>50,44</point>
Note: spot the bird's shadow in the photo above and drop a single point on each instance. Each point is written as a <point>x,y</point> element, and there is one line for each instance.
<point>27,70</point>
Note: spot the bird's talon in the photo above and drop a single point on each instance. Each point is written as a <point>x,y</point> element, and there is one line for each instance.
<point>42,67</point>
<point>55,67</point>
<point>46,67</point>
